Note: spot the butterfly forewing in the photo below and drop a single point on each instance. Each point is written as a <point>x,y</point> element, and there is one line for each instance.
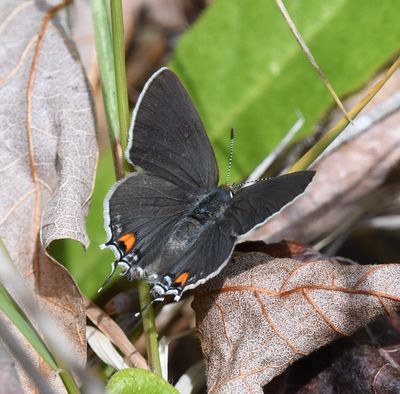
<point>167,137</point>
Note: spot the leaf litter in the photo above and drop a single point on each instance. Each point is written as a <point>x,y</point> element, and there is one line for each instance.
<point>263,313</point>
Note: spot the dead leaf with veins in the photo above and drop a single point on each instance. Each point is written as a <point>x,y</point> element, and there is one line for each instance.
<point>47,160</point>
<point>262,313</point>
<point>360,370</point>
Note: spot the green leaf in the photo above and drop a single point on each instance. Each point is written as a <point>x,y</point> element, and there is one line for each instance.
<point>245,70</point>
<point>15,314</point>
<point>136,380</point>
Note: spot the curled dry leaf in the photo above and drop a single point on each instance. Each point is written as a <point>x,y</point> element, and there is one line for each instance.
<point>47,160</point>
<point>262,313</point>
<point>345,179</point>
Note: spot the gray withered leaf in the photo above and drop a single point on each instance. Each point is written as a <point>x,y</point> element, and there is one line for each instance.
<point>47,159</point>
<point>262,312</point>
<point>363,369</point>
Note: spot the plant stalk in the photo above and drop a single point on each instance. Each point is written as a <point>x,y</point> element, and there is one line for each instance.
<point>149,327</point>
<point>118,36</point>
<point>105,58</point>
<point>148,316</point>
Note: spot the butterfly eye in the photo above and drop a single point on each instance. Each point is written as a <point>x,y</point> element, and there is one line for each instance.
<point>181,279</point>
<point>128,241</point>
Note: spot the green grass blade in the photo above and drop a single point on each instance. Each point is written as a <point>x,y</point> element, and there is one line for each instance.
<point>149,325</point>
<point>18,318</point>
<point>105,58</point>
<point>118,36</point>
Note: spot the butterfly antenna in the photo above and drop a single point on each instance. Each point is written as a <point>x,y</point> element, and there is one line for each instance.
<point>228,173</point>
<point>240,185</point>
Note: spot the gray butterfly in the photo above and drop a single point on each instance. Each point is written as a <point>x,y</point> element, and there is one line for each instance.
<point>171,223</point>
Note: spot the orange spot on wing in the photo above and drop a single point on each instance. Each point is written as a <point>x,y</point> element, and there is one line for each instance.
<point>182,278</point>
<point>128,240</point>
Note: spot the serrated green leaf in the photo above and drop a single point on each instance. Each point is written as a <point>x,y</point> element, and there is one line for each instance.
<point>136,380</point>
<point>245,70</point>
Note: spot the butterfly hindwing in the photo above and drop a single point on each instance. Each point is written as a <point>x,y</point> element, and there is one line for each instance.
<point>167,137</point>
<point>205,258</point>
<point>140,211</point>
<point>251,206</point>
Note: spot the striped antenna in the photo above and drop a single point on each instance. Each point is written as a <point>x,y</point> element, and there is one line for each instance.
<point>235,188</point>
<point>228,173</point>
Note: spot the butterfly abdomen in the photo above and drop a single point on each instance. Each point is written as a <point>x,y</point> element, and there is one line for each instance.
<point>191,228</point>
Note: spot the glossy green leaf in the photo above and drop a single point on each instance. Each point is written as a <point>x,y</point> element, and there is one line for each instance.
<point>245,70</point>
<point>136,380</point>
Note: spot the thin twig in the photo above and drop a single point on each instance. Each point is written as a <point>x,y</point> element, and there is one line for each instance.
<point>149,326</point>
<point>105,59</point>
<point>118,35</point>
<point>114,333</point>
<point>364,122</point>
<point>311,155</point>
<point>310,56</point>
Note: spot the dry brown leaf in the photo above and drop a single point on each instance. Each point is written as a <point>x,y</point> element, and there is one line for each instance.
<point>360,370</point>
<point>47,160</point>
<point>344,180</point>
<point>262,313</point>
